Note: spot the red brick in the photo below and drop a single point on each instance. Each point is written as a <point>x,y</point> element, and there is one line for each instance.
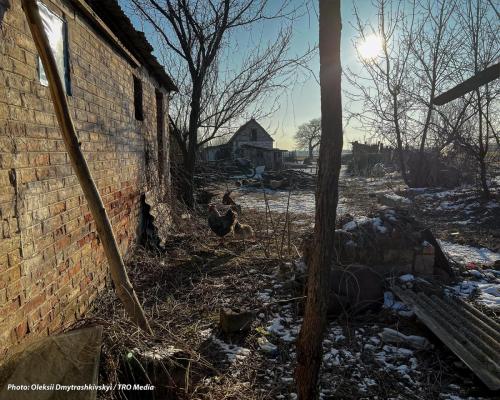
<point>62,262</point>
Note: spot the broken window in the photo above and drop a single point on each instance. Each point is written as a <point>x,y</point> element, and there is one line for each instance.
<point>254,135</point>
<point>139,112</point>
<point>57,33</point>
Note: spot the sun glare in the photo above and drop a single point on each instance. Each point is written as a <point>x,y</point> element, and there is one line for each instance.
<point>370,47</point>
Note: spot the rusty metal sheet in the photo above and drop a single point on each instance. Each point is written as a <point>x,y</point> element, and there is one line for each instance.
<point>471,335</point>
<point>68,359</point>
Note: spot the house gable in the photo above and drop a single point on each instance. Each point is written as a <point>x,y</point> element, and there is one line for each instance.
<point>251,133</point>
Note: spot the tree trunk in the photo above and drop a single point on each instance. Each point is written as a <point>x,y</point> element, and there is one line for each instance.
<point>482,149</point>
<point>192,147</point>
<point>401,154</point>
<point>309,345</point>
<point>124,288</point>
<point>420,179</point>
<point>310,150</point>
<point>484,182</point>
<point>188,180</point>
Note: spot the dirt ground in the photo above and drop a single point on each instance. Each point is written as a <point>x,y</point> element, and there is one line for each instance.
<point>184,286</point>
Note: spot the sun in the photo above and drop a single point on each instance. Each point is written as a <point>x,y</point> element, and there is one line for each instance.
<point>370,47</point>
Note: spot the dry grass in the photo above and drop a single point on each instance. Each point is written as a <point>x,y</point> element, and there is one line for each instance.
<point>182,288</point>
<point>184,285</point>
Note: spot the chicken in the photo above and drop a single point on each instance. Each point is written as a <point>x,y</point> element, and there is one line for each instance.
<point>221,225</point>
<point>228,201</point>
<point>242,230</point>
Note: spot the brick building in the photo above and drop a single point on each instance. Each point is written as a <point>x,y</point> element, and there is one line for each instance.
<point>51,262</point>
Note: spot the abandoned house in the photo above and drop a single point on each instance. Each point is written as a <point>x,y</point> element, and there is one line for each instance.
<point>252,142</point>
<point>51,262</point>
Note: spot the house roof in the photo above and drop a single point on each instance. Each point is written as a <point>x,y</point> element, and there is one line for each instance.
<point>245,125</point>
<point>252,146</point>
<point>110,12</point>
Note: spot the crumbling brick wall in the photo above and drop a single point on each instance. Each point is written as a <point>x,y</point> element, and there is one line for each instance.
<point>52,265</point>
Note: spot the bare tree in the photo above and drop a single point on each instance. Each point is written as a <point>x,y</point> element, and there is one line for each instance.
<point>216,87</point>
<point>308,136</point>
<point>309,345</point>
<point>379,87</point>
<point>427,47</point>
<point>482,47</point>
<point>433,53</point>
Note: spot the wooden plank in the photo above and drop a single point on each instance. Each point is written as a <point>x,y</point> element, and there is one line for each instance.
<point>123,286</point>
<point>481,78</point>
<point>68,359</point>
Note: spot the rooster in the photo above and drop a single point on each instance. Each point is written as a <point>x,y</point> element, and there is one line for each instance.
<point>228,201</point>
<point>221,225</point>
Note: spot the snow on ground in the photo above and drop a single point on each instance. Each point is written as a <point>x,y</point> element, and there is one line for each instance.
<point>300,202</point>
<point>376,223</point>
<point>233,352</point>
<point>468,254</point>
<point>487,292</point>
<point>462,205</point>
<point>397,198</point>
<point>398,307</point>
<point>363,359</point>
<point>258,174</point>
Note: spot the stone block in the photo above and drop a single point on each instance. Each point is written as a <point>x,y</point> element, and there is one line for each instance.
<point>423,263</point>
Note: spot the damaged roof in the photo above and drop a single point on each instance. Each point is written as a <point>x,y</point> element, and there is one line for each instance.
<point>110,12</point>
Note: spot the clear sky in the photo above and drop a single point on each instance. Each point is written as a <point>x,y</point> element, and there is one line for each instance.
<point>301,102</point>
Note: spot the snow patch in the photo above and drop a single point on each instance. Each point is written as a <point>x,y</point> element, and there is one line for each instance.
<point>467,254</point>
<point>232,351</point>
<point>391,303</point>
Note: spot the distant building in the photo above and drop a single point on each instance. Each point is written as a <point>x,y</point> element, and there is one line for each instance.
<point>252,142</point>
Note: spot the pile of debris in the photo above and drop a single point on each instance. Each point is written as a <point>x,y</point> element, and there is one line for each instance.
<point>391,242</point>
<point>388,255</point>
<point>289,179</point>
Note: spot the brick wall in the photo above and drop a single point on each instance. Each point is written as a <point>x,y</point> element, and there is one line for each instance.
<point>51,262</point>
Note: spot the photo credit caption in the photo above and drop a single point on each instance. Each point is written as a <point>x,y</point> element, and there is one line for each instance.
<point>78,388</point>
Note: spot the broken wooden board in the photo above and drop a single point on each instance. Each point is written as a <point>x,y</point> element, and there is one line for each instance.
<point>471,335</point>
<point>68,359</point>
<point>481,78</point>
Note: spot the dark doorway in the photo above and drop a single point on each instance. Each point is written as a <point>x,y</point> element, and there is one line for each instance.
<point>139,112</point>
<point>160,130</point>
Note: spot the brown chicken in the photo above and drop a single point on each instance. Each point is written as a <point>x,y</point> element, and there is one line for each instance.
<point>221,225</point>
<point>243,231</point>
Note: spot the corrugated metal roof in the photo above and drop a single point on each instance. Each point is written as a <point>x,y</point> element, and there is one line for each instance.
<point>470,334</point>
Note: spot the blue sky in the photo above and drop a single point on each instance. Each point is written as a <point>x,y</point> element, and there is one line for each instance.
<point>301,102</point>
